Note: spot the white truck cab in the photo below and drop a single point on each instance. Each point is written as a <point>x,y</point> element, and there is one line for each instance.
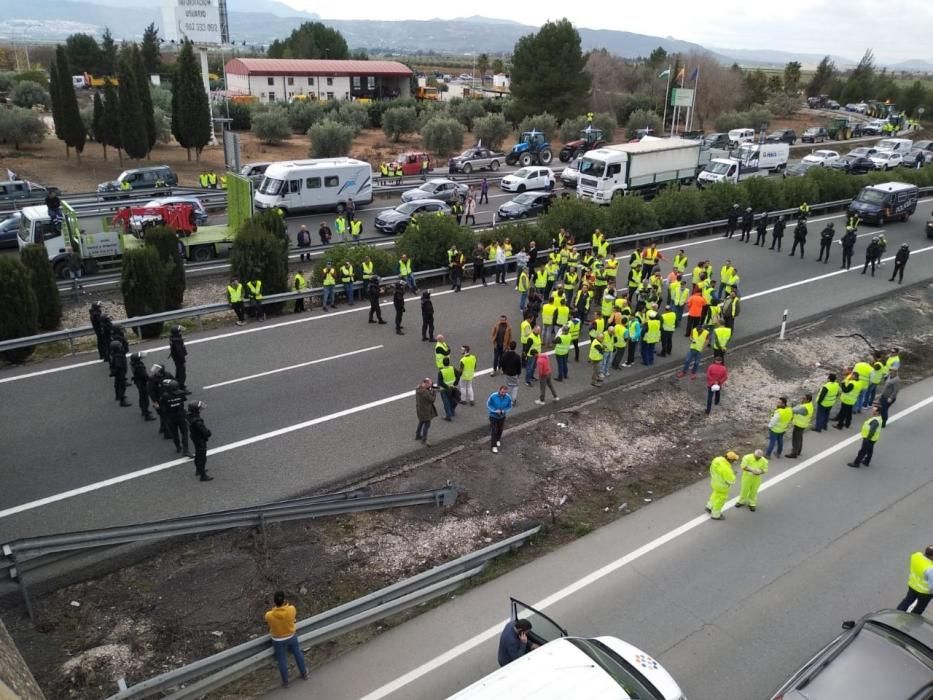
<point>96,249</point>
<point>748,160</point>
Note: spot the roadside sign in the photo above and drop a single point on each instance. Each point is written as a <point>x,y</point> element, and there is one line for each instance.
<point>197,21</point>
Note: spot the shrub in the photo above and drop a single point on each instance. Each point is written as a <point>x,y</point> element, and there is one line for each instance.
<point>399,121</point>
<point>442,135</point>
<point>165,242</point>
<point>678,208</point>
<point>163,125</point>
<point>42,280</point>
<point>303,114</point>
<point>641,119</point>
<point>627,216</point>
<point>330,139</point>
<point>798,190</point>
<point>578,216</point>
<point>28,94</point>
<point>491,130</point>
<point>19,312</point>
<point>19,126</point>
<point>519,235</point>
<point>384,261</point>
<point>271,127</point>
<point>354,115</point>
<point>468,112</point>
<point>260,253</point>
<point>719,197</point>
<point>754,118</point>
<point>143,286</point>
<point>162,98</point>
<point>762,193</point>
<point>240,114</point>
<point>426,244</point>
<point>625,104</point>
<point>540,122</point>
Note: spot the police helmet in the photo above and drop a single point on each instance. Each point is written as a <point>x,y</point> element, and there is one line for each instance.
<point>831,225</point>
<point>98,304</point>
<point>115,345</point>
<point>176,330</point>
<point>748,208</point>
<point>156,368</point>
<point>735,206</point>
<point>170,384</point>
<point>905,245</point>
<point>135,357</point>
<point>196,406</point>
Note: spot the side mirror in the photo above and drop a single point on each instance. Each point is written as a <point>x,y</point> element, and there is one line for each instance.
<point>848,624</point>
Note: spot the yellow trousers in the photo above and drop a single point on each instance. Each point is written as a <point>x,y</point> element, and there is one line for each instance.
<point>716,501</point>
<point>748,494</point>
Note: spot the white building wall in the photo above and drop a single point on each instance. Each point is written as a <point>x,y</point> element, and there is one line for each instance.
<point>283,87</point>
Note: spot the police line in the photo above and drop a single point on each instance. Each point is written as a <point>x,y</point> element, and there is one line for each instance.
<point>71,334</point>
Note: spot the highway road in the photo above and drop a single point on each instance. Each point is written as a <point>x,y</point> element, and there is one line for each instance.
<point>300,402</point>
<point>731,609</point>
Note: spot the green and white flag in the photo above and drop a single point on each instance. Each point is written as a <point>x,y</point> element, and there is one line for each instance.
<point>665,74</point>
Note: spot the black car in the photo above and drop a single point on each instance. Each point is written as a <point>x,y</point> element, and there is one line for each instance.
<point>9,229</point>
<point>393,221</point>
<point>887,654</point>
<point>526,205</point>
<point>782,136</point>
<point>798,169</point>
<point>815,134</point>
<point>854,164</point>
<point>717,140</point>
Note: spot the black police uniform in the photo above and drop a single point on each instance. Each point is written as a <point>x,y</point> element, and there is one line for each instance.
<point>174,402</point>
<point>199,437</point>
<point>141,380</point>
<point>118,372</point>
<point>106,329</point>
<point>179,356</point>
<point>95,313</point>
<point>826,242</point>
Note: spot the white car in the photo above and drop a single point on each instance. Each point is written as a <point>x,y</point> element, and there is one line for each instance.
<point>885,160</point>
<point>821,157</point>
<point>531,178</point>
<point>571,174</point>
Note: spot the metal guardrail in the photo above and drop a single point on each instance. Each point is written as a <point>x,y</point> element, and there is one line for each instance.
<point>84,202</point>
<point>220,669</point>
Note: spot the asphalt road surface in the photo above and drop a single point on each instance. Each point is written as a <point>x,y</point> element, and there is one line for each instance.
<point>731,609</point>
<point>299,402</point>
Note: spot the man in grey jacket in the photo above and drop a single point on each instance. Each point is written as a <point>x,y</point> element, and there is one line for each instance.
<point>888,395</point>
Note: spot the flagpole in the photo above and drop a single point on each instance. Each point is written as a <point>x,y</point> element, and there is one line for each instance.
<point>693,105</point>
<point>683,80</point>
<point>667,90</point>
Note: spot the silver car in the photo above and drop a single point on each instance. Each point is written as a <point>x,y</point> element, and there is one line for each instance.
<point>477,158</point>
<point>440,188</point>
<point>200,212</point>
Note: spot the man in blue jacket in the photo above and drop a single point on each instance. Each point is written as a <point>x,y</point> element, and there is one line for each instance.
<point>513,642</point>
<point>498,405</point>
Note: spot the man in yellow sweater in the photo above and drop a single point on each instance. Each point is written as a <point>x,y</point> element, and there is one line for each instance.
<point>281,621</point>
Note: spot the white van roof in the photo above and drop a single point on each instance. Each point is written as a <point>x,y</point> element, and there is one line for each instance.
<point>316,163</point>
<point>893,186</point>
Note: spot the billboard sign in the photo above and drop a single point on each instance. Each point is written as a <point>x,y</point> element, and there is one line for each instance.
<point>681,97</point>
<point>197,21</point>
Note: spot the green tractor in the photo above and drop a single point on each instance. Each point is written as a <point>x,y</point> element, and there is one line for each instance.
<point>532,149</point>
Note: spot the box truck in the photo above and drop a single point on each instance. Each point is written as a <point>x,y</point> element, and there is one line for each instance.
<point>643,167</point>
<point>748,160</point>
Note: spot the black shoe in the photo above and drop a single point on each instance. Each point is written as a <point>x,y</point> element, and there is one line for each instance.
<point>382,323</point>
<point>150,418</point>
<point>739,505</point>
<point>124,404</point>
<point>448,419</point>
<point>178,449</point>
<point>752,508</point>
<point>205,477</point>
<point>398,332</point>
<point>791,456</point>
<point>853,464</point>
<point>371,321</point>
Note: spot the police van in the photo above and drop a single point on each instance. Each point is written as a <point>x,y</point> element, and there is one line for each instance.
<point>885,201</point>
<point>318,184</point>
<point>573,668</point>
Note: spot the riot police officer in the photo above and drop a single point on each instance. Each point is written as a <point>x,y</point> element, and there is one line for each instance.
<point>157,375</point>
<point>118,372</point>
<point>106,328</point>
<point>173,404</point>
<point>179,356</point>
<point>141,380</point>
<point>199,436</point>
<point>95,312</point>
<point>118,333</point>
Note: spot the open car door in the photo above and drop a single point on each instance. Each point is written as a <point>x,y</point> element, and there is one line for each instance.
<point>543,628</point>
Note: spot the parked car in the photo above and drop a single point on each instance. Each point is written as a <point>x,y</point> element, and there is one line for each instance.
<point>887,654</point>
<point>854,164</point>
<point>13,190</point>
<point>821,157</point>
<point>874,127</point>
<point>886,160</point>
<point>254,172</point>
<point>477,158</point>
<point>815,134</point>
<point>832,104</point>
<point>9,230</point>
<point>141,179</point>
<point>526,205</point>
<point>438,188</point>
<point>865,151</point>
<point>200,212</point>
<point>798,169</point>
<point>782,136</point>
<point>739,136</point>
<point>717,140</point>
<point>921,153</point>
<point>393,221</point>
<point>533,178</point>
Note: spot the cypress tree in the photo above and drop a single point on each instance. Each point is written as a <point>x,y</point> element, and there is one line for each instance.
<point>133,135</point>
<point>56,100</point>
<point>145,97</point>
<point>191,118</point>
<point>73,129</point>
<point>111,119</point>
<point>165,241</point>
<point>99,123</point>
<point>143,287</point>
<point>42,280</point>
<point>19,315</point>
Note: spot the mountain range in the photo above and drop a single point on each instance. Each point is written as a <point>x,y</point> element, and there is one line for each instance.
<point>259,22</point>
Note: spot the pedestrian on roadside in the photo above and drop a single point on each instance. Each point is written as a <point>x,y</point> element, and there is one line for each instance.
<point>447,378</point>
<point>512,366</point>
<point>235,297</point>
<point>826,242</point>
<point>74,269</point>
<point>543,368</point>
<point>748,220</point>
<point>514,642</point>
<point>199,437</point>
<point>479,260</point>
<point>173,403</point>
<point>761,230</point>
<point>299,284</point>
<point>803,413</point>
<point>777,427</point>
<point>254,290</point>
<point>398,301</point>
<point>888,395</point>
<point>324,233</point>
<point>328,285</point>
<point>562,344</point>
<point>118,372</point>
<point>456,261</point>
<point>872,256</point>
<point>281,622</point>
<point>500,265</point>
<point>919,582</point>
<point>501,338</point>
<point>425,397</point>
<point>95,313</point>
<point>373,293</point>
<point>849,389</point>
<point>484,191</point>
<point>721,478</point>
<point>732,220</point>
<point>871,432</point>
<point>848,247</point>
<point>179,354</point>
<point>427,317</point>
<point>141,381</point>
<point>157,375</point>
<point>900,262</point>
<point>716,376</point>
<point>753,467</point>
<point>304,241</point>
<point>467,370</point>
<point>469,215</point>
<point>825,401</point>
<point>498,406</point>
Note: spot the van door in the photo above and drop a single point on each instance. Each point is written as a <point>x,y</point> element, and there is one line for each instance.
<point>292,190</point>
<point>543,628</point>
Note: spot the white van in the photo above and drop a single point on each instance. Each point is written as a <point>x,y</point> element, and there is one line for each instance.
<point>740,136</point>
<point>315,184</point>
<point>573,668</point>
<point>901,146</point>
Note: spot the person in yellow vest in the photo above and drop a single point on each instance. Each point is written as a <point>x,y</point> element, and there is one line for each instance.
<point>541,279</point>
<point>281,622</point>
<point>299,284</point>
<point>356,230</point>
<point>340,226</point>
<point>651,256</point>
<point>562,343</point>
<point>223,181</point>
<point>550,270</point>
<point>235,297</point>
<point>862,370</point>
<point>668,326</point>
<point>522,286</point>
<point>651,337</point>
<point>698,339</point>
<point>871,432</point>
<point>849,390</point>
<point>328,284</point>
<point>721,478</point>
<point>596,359</point>
<point>254,289</point>
<point>467,372</point>
<point>203,181</point>
<point>919,582</point>
<point>777,426</point>
<point>399,173</point>
<point>533,342</point>
<point>548,319</point>
<point>680,261</point>
<point>368,268</point>
<point>725,274</point>
<point>347,278</point>
<point>447,381</point>
<point>803,414</point>
<point>825,401</point>
<point>212,180</point>
<point>575,325</point>
<point>384,171</point>
<point>441,351</point>
<point>405,273</point>
<point>753,467</point>
<point>721,338</point>
<point>126,186</point>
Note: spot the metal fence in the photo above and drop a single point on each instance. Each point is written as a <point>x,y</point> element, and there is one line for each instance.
<point>200,677</point>
<point>99,203</point>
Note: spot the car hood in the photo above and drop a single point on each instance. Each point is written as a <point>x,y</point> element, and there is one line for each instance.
<point>412,195</point>
<point>108,186</point>
<point>512,207</point>
<point>512,178</point>
<point>813,159</point>
<point>391,216</point>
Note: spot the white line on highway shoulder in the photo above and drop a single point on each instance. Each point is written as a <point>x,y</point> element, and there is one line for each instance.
<point>594,576</point>
<point>291,367</point>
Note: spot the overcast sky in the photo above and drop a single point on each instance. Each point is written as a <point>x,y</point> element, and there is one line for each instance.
<point>896,29</point>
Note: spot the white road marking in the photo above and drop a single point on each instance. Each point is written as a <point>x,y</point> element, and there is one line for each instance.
<point>492,632</point>
<point>291,367</point>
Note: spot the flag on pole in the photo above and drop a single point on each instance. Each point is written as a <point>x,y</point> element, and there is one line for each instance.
<point>665,74</point>
<point>695,74</point>
<point>680,75</point>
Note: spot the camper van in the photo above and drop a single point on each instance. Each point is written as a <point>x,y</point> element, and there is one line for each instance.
<point>885,201</point>
<point>321,184</point>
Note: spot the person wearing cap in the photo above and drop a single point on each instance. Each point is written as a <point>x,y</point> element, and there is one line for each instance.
<point>372,291</point>
<point>141,381</point>
<point>900,262</point>
<point>753,466</point>
<point>721,478</point>
<point>872,255</point>
<point>199,437</point>
<point>179,355</point>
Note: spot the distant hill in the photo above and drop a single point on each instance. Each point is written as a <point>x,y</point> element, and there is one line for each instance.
<point>768,57</point>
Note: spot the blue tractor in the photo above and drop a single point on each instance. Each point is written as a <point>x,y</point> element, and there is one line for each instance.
<point>532,149</point>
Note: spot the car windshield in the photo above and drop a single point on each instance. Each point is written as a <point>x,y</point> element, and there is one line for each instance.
<point>591,167</point>
<point>270,185</point>
<point>619,669</point>
<point>824,154</point>
<point>718,167</point>
<point>468,154</point>
<point>522,174</point>
<point>856,152</point>
<point>408,207</point>
<point>524,199</point>
<point>430,187</point>
<point>870,196</point>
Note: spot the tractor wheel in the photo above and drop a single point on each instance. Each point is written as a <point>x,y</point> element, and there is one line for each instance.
<point>564,155</point>
<point>526,160</point>
<point>510,159</point>
<point>578,153</point>
<point>545,156</point>
<point>202,253</point>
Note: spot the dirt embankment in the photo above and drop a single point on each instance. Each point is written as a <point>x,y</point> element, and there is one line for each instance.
<point>573,470</point>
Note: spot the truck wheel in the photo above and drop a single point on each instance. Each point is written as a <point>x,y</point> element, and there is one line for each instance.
<point>494,166</point>
<point>467,168</point>
<point>545,156</point>
<point>202,253</point>
<point>525,160</point>
<point>510,159</point>
<point>61,269</point>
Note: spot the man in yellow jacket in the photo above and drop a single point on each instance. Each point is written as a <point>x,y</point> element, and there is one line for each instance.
<point>721,478</point>
<point>281,621</point>
<point>753,466</point>
<point>919,582</point>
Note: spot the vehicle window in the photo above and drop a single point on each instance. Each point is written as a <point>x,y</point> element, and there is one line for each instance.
<point>614,169</point>
<point>271,185</point>
<point>47,230</point>
<point>313,183</point>
<point>522,173</point>
<point>635,685</point>
<point>294,186</point>
<point>543,628</point>
<point>3,189</point>
<point>871,197</point>
<point>331,181</point>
